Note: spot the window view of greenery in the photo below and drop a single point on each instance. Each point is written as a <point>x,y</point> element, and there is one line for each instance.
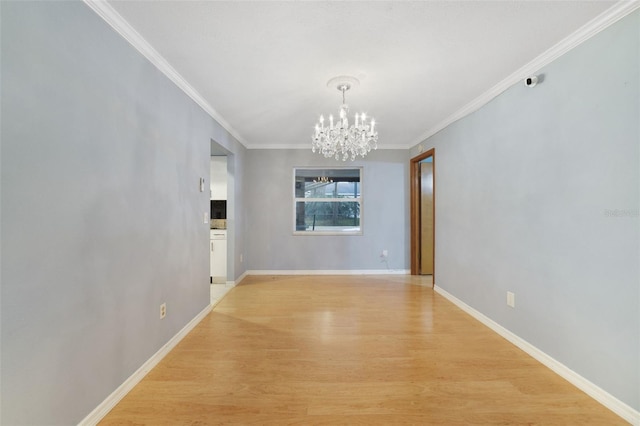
<point>327,200</point>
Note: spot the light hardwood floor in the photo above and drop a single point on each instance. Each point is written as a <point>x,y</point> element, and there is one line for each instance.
<point>349,350</point>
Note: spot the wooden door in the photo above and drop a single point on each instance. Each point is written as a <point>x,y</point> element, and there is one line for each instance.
<point>426,218</point>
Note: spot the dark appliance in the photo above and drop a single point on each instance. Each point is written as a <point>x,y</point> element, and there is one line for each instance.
<point>218,209</point>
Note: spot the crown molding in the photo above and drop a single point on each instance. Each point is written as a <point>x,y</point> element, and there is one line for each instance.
<point>122,27</point>
<point>298,146</point>
<point>591,28</point>
<point>329,272</point>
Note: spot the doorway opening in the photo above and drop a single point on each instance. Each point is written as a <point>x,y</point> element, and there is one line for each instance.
<point>221,230</point>
<point>422,192</point>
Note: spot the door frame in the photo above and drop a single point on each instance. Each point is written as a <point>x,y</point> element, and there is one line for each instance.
<point>415,195</point>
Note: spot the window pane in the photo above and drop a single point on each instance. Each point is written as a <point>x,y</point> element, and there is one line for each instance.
<point>340,216</point>
<point>332,190</point>
<point>327,183</point>
<point>327,200</point>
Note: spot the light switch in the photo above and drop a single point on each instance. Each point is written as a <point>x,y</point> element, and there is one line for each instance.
<point>201,184</point>
<point>511,299</point>
<point>206,217</point>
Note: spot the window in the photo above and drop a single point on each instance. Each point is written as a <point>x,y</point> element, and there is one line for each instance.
<point>327,201</point>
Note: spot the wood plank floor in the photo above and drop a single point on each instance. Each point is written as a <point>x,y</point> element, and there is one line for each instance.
<point>349,350</point>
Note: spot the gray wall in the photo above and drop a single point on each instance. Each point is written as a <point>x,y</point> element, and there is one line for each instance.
<point>269,189</point>
<point>239,239</point>
<point>101,218</point>
<point>525,190</point>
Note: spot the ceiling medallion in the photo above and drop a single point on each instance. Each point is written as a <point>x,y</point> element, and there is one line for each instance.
<point>339,140</point>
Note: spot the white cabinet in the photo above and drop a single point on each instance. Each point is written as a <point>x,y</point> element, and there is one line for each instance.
<point>218,255</point>
<point>218,178</point>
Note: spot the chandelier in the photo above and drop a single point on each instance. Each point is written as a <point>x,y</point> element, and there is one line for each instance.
<point>323,179</point>
<point>339,140</point>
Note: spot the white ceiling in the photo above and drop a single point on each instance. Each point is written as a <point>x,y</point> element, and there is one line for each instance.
<point>263,65</point>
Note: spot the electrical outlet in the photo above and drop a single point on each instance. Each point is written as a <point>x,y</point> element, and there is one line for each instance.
<point>511,299</point>
<point>163,310</point>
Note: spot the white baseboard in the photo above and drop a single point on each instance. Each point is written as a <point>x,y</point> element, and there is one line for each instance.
<point>330,272</point>
<point>240,278</point>
<point>603,397</point>
<point>103,409</point>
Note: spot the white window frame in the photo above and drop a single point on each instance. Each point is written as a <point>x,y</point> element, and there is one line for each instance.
<point>359,200</point>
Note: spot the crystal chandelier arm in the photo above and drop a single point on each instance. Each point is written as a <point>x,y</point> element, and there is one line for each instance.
<point>339,140</point>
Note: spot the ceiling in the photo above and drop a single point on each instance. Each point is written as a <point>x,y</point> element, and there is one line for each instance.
<point>263,66</point>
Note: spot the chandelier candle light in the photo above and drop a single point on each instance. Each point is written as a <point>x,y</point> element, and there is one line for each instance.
<point>323,179</point>
<point>340,140</point>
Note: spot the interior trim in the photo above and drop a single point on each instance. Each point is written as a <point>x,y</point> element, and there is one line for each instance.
<point>121,391</point>
<point>122,27</point>
<point>240,278</point>
<point>591,28</point>
<point>298,146</point>
<point>603,397</point>
<point>330,272</point>
<point>415,224</point>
